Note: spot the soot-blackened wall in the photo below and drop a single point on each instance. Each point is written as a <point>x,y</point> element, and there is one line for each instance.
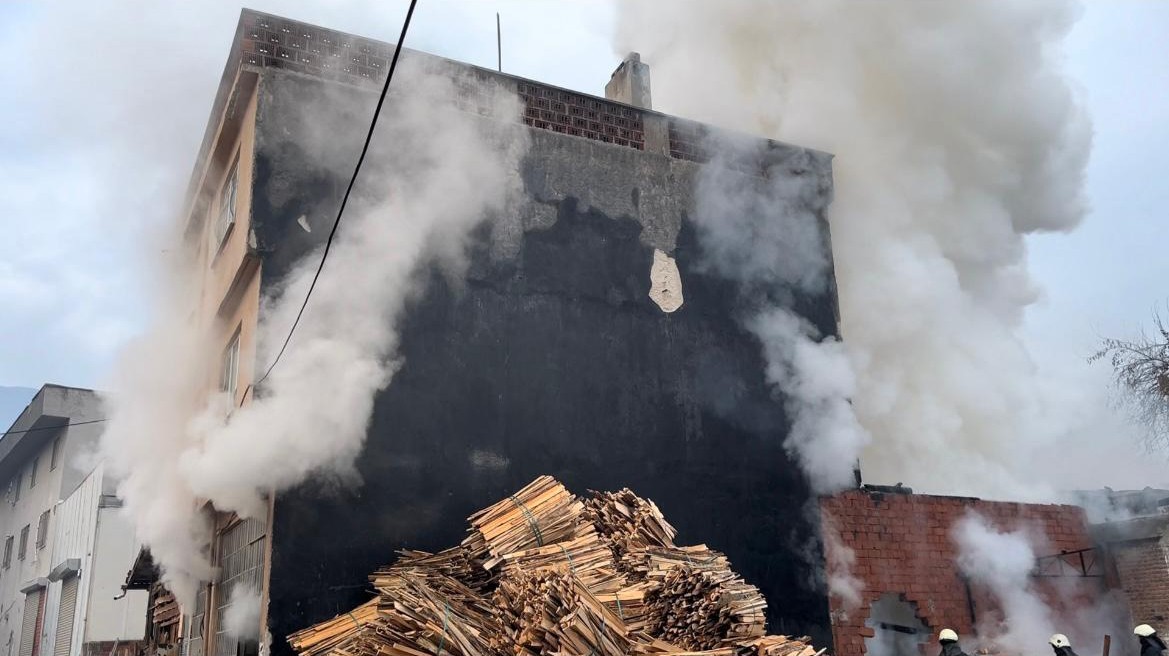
<point>550,359</point>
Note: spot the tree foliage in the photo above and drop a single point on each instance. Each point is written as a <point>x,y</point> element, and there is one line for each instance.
<point>1141,372</point>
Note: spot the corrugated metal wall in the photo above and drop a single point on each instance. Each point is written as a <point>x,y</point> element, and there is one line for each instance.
<point>74,524</point>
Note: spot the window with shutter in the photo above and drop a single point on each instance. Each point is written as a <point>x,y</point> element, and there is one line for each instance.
<point>29,640</point>
<point>43,530</point>
<point>229,368</point>
<point>225,219</point>
<point>65,617</point>
<point>8,552</point>
<point>23,551</point>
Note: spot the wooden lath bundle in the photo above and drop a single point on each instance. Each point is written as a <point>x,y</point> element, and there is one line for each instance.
<point>541,574</point>
<point>455,562</point>
<point>431,613</point>
<point>630,605</point>
<point>542,513</point>
<point>765,646</point>
<point>653,563</point>
<point>705,609</point>
<point>628,522</point>
<point>554,613</point>
<point>585,556</point>
<point>322,638</point>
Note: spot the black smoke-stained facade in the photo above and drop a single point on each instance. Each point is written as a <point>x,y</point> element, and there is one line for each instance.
<point>548,358</point>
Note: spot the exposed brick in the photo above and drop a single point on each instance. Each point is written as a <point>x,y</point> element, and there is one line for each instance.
<point>903,545</point>
<point>1144,574</point>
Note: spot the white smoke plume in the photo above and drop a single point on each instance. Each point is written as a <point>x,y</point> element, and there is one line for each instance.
<point>1002,561</point>
<point>435,172</point>
<point>241,620</point>
<point>767,234</point>
<point>955,136</point>
<point>839,560</point>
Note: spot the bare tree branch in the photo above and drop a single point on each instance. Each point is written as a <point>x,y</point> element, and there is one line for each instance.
<point>1141,373</point>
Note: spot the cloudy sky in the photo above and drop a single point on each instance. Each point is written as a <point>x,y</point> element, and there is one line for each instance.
<point>106,102</point>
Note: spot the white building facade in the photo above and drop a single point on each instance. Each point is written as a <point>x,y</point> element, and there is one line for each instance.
<point>64,546</point>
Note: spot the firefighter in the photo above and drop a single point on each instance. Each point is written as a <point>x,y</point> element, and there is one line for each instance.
<point>949,641</point>
<point>1062,646</point>
<point>1151,643</point>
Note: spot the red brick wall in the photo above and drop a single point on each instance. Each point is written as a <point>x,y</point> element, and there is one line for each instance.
<point>903,545</point>
<point>1144,575</point>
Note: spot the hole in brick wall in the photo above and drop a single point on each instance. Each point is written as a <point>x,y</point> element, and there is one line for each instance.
<point>897,628</point>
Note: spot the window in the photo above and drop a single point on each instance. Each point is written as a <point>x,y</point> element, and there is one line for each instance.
<point>227,197</point>
<point>32,474</point>
<point>23,543</point>
<point>229,372</point>
<point>19,484</point>
<point>43,530</point>
<point>55,456</point>
<point>8,552</point>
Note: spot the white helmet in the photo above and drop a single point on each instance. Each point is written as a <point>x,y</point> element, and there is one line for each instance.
<point>1060,640</point>
<point>1144,630</point>
<point>947,635</point>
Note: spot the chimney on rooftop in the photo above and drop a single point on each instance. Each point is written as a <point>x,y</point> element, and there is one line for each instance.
<point>630,83</point>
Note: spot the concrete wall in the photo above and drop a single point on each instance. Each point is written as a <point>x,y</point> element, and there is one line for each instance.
<point>552,359</point>
<point>55,486</point>
<point>903,546</point>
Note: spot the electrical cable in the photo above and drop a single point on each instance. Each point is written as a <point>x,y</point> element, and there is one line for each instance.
<point>345,199</point>
<point>44,428</point>
<point>332,233</point>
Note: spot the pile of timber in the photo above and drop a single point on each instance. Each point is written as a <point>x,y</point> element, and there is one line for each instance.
<point>544,573</point>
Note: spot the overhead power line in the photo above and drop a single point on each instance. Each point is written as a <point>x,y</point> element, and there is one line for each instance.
<point>332,233</point>
<point>57,427</point>
<point>345,200</point>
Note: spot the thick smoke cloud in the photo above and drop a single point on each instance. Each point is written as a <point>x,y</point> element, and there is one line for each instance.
<point>435,172</point>
<point>767,233</point>
<point>1001,561</point>
<point>955,136</point>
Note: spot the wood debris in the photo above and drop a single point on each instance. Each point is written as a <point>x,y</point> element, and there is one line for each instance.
<point>543,573</point>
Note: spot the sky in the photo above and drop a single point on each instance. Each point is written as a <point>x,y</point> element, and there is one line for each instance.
<point>101,123</point>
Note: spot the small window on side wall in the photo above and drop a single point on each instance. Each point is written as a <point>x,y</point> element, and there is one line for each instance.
<point>225,207</point>
<point>229,369</point>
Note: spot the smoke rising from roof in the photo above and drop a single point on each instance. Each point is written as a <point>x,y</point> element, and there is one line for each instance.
<point>767,233</point>
<point>955,135</point>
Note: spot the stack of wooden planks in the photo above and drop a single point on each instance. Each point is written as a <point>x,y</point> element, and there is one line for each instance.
<point>543,573</point>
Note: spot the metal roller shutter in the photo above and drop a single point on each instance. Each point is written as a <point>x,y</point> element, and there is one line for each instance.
<point>28,628</point>
<point>65,617</point>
